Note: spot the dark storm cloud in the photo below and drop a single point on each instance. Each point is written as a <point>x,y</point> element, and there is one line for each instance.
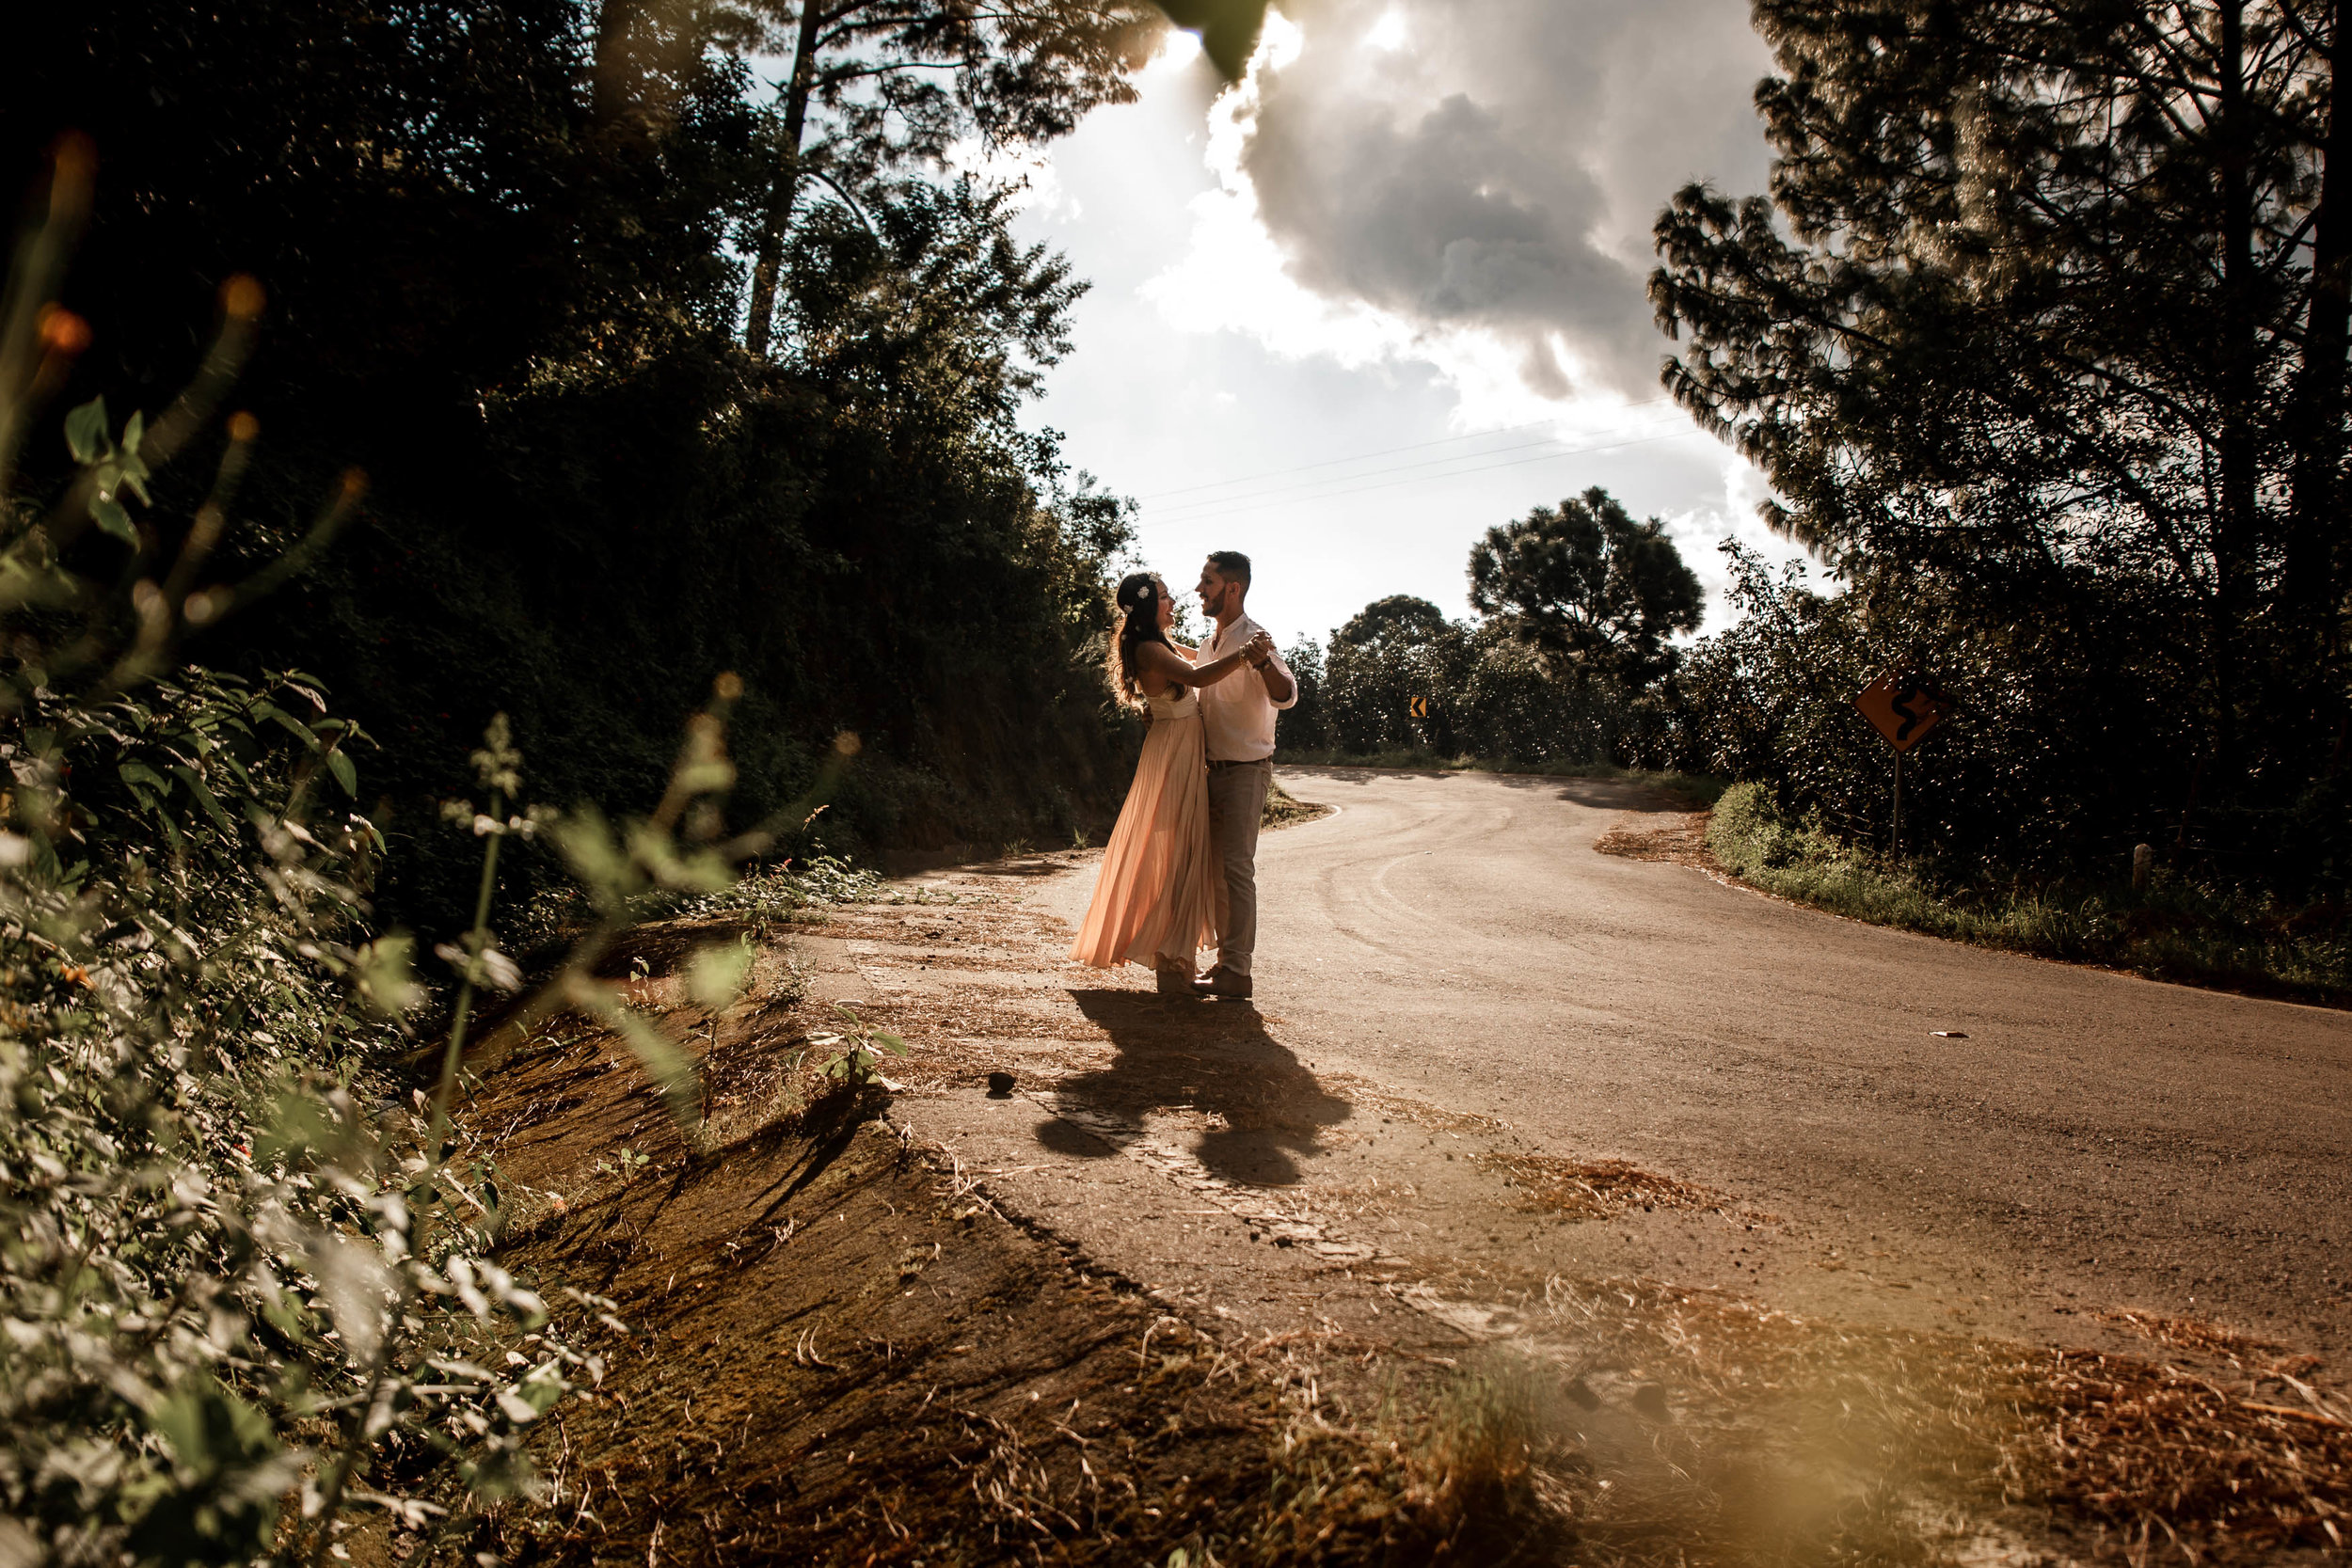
<point>1500,168</point>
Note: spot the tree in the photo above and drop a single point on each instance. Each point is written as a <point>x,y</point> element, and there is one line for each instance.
<point>1399,621</point>
<point>1596,592</point>
<point>899,82</point>
<point>2049,306</point>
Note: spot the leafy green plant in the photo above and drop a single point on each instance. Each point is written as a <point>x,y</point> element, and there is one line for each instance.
<point>855,1051</point>
<point>626,1163</point>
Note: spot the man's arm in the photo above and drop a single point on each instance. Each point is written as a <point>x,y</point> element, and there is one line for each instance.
<point>1279,689</point>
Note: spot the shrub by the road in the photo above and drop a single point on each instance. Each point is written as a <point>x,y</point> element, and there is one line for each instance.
<point>2178,929</point>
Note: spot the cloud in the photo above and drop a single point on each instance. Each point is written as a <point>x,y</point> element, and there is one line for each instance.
<point>1420,172</point>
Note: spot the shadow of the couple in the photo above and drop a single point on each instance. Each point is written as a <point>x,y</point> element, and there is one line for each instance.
<point>1215,1058</point>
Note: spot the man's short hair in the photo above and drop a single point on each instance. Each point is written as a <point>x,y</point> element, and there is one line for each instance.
<point>1231,566</point>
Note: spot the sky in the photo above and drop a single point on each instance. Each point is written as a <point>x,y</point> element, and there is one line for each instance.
<point>1388,292</point>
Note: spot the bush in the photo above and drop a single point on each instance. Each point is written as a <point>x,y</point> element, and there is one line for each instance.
<point>2178,929</point>
<point>230,1277</point>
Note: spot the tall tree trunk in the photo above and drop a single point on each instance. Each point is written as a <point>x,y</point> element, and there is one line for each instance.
<point>768,266</point>
<point>2235,532</point>
<point>2310,590</point>
<point>612,92</point>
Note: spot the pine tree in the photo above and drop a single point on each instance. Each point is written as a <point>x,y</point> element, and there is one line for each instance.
<point>2049,299</point>
<point>892,83</point>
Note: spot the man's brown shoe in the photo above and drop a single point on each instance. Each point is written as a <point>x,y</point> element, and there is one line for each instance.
<point>1220,982</point>
<point>1175,982</point>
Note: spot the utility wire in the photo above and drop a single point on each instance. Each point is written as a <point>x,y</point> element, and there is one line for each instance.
<point>1367,456</point>
<point>1599,441</point>
<point>1369,473</point>
<point>1517,462</point>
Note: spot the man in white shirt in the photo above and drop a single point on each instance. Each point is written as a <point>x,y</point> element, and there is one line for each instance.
<point>1237,716</point>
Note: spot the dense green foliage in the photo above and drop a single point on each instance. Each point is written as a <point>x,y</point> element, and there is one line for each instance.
<point>202,1233</point>
<point>499,242</point>
<point>230,1281</point>
<point>2041,339</point>
<point>2044,767</point>
<point>1571,664</point>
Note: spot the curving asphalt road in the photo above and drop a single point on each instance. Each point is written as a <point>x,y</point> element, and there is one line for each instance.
<point>2096,1141</point>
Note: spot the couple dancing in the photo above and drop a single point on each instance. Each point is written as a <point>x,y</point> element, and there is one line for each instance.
<point>1181,871</point>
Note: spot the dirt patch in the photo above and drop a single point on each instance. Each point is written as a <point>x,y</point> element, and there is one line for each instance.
<point>833,1357</point>
<point>1729,1433</point>
<point>1594,1189</point>
<point>1285,810</point>
<point>1680,838</point>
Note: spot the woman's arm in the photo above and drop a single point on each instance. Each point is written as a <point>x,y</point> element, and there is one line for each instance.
<point>1160,663</point>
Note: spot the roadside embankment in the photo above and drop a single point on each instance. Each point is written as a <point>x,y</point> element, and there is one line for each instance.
<point>1182,1286</point>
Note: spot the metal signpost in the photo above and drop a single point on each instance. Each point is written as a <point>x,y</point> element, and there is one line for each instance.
<point>1901,707</point>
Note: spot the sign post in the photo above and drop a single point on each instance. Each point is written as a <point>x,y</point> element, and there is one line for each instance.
<point>1901,707</point>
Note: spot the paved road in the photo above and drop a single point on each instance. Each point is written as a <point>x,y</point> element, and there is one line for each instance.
<point>2096,1141</point>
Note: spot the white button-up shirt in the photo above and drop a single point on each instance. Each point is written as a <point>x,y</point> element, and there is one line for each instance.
<point>1236,714</point>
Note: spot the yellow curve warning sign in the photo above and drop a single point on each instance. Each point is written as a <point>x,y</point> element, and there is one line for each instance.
<point>1902,707</point>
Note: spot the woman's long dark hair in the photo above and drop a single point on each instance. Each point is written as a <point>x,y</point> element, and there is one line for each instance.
<point>1139,601</point>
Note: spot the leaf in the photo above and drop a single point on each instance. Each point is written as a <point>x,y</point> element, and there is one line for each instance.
<point>596,860</point>
<point>354,1281</point>
<point>85,431</point>
<point>719,973</point>
<point>1228,29</point>
<point>671,1073</point>
<point>277,715</point>
<point>381,973</point>
<point>209,1429</point>
<point>345,774</point>
<point>500,971</point>
<point>204,797</point>
<point>142,779</point>
<point>111,518</point>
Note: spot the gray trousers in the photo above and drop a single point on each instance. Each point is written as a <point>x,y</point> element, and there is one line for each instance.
<point>1236,806</point>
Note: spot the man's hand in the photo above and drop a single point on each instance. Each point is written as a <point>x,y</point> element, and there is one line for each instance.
<point>1261,654</point>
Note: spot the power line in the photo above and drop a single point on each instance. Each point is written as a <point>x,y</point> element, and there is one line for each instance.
<point>1371,473</point>
<point>1385,451</point>
<point>1598,441</point>
<point>1517,462</point>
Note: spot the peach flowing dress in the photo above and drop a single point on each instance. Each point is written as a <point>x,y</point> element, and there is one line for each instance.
<point>1160,893</point>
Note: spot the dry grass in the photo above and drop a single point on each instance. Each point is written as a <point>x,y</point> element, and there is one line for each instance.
<point>1680,838</point>
<point>1284,809</point>
<point>1363,1093</point>
<point>1594,1189</point>
<point>2165,1459</point>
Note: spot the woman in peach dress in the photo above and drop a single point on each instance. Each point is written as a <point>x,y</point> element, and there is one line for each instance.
<point>1161,890</point>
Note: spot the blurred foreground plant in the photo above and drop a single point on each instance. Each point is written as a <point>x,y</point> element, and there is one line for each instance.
<point>238,1268</point>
